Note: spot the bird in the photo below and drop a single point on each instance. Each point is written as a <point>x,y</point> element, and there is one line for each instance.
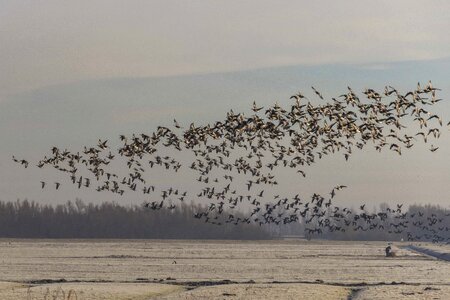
<point>433,148</point>
<point>241,150</point>
<point>255,108</point>
<point>317,93</point>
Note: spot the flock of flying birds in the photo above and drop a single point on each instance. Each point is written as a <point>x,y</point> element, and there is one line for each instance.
<point>241,153</point>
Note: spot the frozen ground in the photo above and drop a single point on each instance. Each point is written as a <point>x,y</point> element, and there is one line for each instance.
<point>92,269</point>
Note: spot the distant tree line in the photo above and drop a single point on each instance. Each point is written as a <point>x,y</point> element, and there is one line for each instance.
<point>417,223</point>
<point>29,219</point>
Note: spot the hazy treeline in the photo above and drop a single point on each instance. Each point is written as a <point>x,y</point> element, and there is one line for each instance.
<point>29,219</point>
<point>419,222</point>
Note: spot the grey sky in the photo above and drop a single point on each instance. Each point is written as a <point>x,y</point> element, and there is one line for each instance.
<point>72,72</point>
<point>49,42</point>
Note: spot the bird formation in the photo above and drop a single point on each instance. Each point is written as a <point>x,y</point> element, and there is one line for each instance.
<point>241,153</point>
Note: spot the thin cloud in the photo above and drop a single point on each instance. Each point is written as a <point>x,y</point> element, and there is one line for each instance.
<point>47,42</point>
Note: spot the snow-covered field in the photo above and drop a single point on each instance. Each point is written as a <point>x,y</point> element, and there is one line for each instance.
<point>144,269</point>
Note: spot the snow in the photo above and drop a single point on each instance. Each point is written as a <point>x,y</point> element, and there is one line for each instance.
<point>142,269</point>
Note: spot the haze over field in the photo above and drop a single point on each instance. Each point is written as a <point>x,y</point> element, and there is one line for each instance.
<point>73,73</point>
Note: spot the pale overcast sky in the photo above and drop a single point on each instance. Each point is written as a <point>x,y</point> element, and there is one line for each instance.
<point>75,71</point>
<point>49,42</point>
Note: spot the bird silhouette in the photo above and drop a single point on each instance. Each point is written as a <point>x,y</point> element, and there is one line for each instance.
<point>233,158</point>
